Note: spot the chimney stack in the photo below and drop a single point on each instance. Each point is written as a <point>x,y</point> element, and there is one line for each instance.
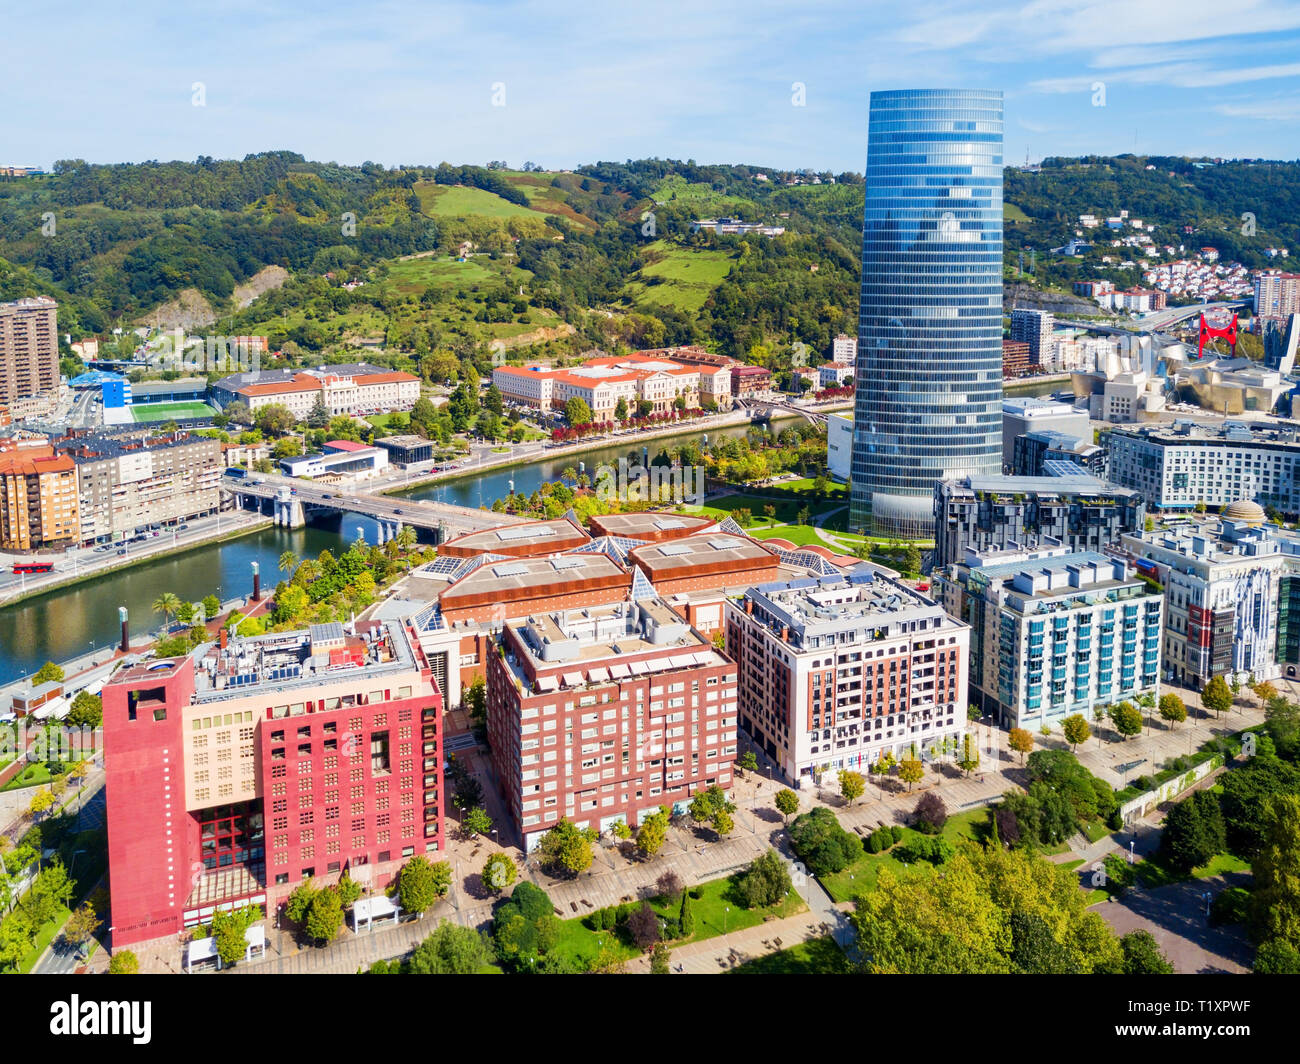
<point>223,637</point>
<point>126,638</point>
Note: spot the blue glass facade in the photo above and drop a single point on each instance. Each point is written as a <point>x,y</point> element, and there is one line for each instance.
<point>929,370</point>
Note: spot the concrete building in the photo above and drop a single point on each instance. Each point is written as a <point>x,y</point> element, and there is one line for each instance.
<point>1034,327</point>
<point>844,349</point>
<point>838,669</point>
<point>834,374</point>
<point>338,460</point>
<point>1029,414</point>
<point>1053,632</point>
<point>1177,466</point>
<point>1222,585</point>
<point>38,499</point>
<point>354,389</point>
<point>1002,513</point>
<point>839,446</point>
<point>406,450</point>
<point>131,480</point>
<point>252,765</point>
<point>29,350</point>
<point>606,714</point>
<point>1038,454</point>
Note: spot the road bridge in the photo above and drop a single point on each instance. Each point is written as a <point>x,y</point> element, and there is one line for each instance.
<point>294,502</point>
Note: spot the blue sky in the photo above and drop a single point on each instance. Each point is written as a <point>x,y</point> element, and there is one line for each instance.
<point>400,82</point>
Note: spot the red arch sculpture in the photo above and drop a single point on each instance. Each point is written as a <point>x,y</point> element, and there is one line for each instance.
<point>1208,332</point>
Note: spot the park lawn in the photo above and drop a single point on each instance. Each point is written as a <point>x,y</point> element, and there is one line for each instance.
<point>44,937</point>
<point>801,535</point>
<point>860,877</point>
<point>1154,873</point>
<point>1095,897</point>
<point>1095,830</point>
<point>414,275</point>
<point>1070,866</point>
<point>787,510</point>
<point>718,911</point>
<point>817,956</point>
<point>581,945</point>
<point>32,776</point>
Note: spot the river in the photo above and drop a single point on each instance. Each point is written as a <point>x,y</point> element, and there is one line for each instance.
<point>71,621</point>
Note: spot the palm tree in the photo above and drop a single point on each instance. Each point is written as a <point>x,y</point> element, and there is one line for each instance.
<point>288,562</point>
<point>167,604</point>
<point>406,537</point>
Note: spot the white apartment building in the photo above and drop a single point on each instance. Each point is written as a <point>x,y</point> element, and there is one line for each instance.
<point>834,374</point>
<point>837,670</point>
<point>844,349</point>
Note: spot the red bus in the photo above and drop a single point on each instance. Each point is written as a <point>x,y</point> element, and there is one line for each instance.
<point>33,567</point>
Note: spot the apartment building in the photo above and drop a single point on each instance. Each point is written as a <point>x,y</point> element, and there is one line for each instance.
<point>607,713</point>
<point>252,765</point>
<point>1175,467</point>
<point>1277,296</point>
<point>836,670</point>
<point>1027,415</point>
<point>1053,632</point>
<point>1016,359</point>
<point>131,480</point>
<point>1034,327</point>
<point>29,350</point>
<point>834,374</point>
<point>1082,513</point>
<point>1222,584</point>
<point>844,350</point>
<point>1040,453</point>
<point>38,499</point>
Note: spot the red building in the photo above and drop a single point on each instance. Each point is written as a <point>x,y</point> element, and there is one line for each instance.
<point>251,765</point>
<point>606,714</point>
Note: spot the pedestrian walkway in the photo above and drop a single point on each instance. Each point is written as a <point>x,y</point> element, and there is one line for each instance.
<point>724,952</point>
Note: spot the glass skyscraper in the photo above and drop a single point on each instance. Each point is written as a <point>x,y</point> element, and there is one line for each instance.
<point>928,402</point>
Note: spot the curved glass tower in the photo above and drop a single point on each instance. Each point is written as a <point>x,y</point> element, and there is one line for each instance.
<point>928,402</point>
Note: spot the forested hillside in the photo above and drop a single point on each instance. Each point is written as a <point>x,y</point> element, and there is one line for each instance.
<point>454,260</point>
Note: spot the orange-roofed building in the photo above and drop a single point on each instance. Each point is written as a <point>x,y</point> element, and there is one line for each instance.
<point>38,499</point>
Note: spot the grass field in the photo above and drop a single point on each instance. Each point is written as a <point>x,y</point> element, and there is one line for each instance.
<point>151,412</point>
<point>416,274</point>
<point>459,201</point>
<point>684,277</point>
<point>818,956</point>
<point>860,877</point>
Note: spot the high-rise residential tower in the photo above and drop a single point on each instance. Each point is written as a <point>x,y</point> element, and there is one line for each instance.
<point>29,349</point>
<point>929,367</point>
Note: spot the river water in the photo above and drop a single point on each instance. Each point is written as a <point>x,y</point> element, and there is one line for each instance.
<point>69,622</point>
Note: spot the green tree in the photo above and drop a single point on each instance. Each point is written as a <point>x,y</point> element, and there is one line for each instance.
<point>567,848</point>
<point>1076,729</point>
<point>970,755</point>
<point>1217,695</point>
<point>1127,719</point>
<point>661,955</point>
<point>686,916</point>
<point>477,822</point>
<point>123,962</point>
<point>787,803</point>
<point>748,761</point>
<point>766,882</point>
<point>48,673</point>
<point>852,785</point>
<point>167,604</point>
<point>499,872</point>
<point>299,901</point>
<point>1275,906</point>
<point>577,412</point>
<point>1172,709</point>
<point>821,842</point>
<point>620,409</point>
<point>87,710</point>
<point>1142,955</point>
<point>1193,833</point>
<point>1021,741</point>
<point>421,883</point>
<point>910,771</point>
<point>652,833</point>
<point>211,606</point>
<point>288,561</point>
<point>450,950</point>
<point>324,916</point>
<point>81,925</point>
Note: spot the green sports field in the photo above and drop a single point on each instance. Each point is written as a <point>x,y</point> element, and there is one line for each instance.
<point>170,411</point>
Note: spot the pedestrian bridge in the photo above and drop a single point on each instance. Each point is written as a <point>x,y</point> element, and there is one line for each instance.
<point>294,502</point>
<point>762,410</point>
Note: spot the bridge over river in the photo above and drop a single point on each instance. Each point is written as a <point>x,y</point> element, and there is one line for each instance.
<point>294,502</point>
